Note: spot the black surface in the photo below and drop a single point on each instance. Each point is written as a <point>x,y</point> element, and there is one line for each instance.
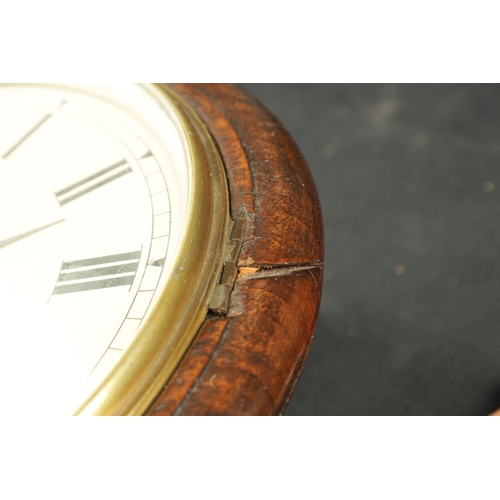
<point>404,174</point>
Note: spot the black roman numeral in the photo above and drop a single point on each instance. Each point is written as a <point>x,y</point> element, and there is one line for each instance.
<point>92,182</point>
<point>98,272</point>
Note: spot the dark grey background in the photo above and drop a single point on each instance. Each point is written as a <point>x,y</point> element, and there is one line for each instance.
<point>408,176</point>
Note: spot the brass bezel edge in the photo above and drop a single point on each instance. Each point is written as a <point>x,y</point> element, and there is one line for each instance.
<point>157,349</point>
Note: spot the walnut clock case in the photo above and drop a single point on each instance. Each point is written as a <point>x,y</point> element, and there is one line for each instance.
<point>160,253</point>
<point>248,362</point>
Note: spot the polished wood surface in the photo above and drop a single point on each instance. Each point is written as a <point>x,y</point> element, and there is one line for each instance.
<point>248,362</point>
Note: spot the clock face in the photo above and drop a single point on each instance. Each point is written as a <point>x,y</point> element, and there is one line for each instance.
<point>94,198</point>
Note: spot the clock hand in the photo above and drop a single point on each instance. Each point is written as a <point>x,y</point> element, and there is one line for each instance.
<point>25,136</point>
<point>18,237</point>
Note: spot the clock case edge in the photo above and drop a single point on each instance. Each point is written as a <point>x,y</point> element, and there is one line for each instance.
<point>249,361</point>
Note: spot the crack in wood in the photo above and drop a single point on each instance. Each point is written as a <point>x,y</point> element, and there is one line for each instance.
<point>249,273</point>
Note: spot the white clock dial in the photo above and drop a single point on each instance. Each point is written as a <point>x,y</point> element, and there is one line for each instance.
<point>93,200</point>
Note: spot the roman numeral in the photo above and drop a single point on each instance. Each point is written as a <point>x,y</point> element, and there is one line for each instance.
<point>98,272</point>
<point>94,181</point>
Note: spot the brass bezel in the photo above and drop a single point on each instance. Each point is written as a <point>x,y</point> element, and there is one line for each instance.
<point>171,326</point>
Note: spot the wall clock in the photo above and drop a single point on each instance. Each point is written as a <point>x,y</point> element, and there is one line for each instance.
<point>161,251</point>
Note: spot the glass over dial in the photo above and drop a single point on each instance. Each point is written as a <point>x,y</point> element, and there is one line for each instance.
<point>95,187</point>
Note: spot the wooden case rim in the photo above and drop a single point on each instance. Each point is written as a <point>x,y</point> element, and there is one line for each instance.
<point>248,362</point>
